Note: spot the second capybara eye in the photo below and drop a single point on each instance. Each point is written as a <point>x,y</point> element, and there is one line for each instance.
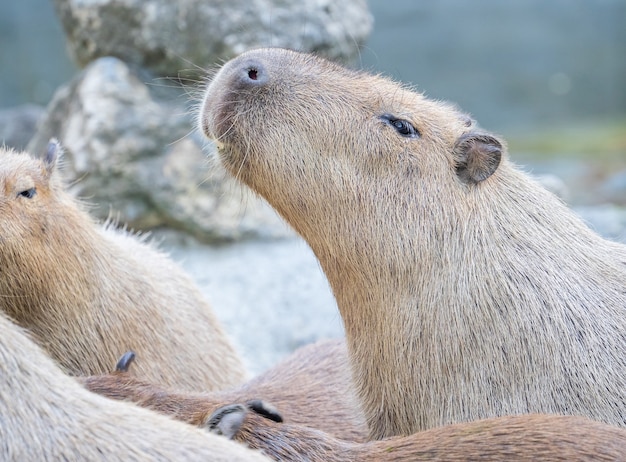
<point>402,126</point>
<point>28,193</point>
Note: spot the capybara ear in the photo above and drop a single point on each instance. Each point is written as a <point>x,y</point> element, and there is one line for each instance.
<point>54,151</point>
<point>477,155</point>
<point>125,361</point>
<point>226,420</point>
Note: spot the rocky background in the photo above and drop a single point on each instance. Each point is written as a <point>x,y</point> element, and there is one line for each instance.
<point>121,100</point>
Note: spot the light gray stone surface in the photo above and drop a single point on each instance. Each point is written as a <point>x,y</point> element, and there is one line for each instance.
<point>271,295</point>
<point>132,150</point>
<point>19,124</point>
<point>131,140</point>
<point>187,36</point>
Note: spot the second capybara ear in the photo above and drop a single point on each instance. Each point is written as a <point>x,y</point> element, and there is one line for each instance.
<point>54,151</point>
<point>477,155</point>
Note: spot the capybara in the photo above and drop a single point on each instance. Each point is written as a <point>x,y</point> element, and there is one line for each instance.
<point>466,289</point>
<point>311,387</point>
<point>47,416</point>
<point>88,292</point>
<point>540,437</point>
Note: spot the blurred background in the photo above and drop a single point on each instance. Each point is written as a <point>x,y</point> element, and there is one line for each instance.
<point>519,66</point>
<point>549,76</point>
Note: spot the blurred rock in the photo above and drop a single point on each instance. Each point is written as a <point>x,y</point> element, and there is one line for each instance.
<point>555,185</point>
<point>271,296</point>
<point>19,124</point>
<point>132,150</point>
<point>191,35</point>
<point>608,220</point>
<point>614,188</point>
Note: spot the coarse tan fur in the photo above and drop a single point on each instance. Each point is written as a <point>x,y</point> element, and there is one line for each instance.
<point>466,289</point>
<point>311,387</point>
<point>87,292</point>
<point>539,437</point>
<point>47,416</point>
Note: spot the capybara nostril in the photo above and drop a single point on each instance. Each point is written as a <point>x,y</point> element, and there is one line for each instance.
<point>253,72</point>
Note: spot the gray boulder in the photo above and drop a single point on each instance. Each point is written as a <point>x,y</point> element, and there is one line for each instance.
<point>185,37</point>
<point>614,188</point>
<point>132,151</point>
<point>19,124</point>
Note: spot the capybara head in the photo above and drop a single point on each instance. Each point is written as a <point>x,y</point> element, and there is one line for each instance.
<point>27,188</point>
<point>300,130</point>
<point>36,228</point>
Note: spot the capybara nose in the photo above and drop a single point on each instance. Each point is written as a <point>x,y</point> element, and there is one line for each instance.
<point>252,72</point>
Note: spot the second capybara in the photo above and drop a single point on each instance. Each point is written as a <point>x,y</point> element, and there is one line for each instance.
<point>47,416</point>
<point>466,289</point>
<point>311,387</point>
<point>88,292</point>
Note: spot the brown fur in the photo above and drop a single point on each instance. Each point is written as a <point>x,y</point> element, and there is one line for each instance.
<point>46,415</point>
<point>527,437</point>
<point>87,292</point>
<point>311,387</point>
<point>467,290</point>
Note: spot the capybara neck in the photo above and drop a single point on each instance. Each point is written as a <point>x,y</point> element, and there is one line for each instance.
<point>467,291</point>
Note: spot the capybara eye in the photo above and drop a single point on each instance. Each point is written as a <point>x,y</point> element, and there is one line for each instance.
<point>253,74</point>
<point>403,127</point>
<point>28,193</point>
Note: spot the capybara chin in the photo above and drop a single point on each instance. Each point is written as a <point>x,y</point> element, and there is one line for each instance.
<point>47,416</point>
<point>87,293</point>
<point>467,290</point>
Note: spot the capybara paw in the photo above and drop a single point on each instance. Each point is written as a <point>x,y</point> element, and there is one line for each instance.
<point>264,409</point>
<point>227,420</point>
<point>125,361</point>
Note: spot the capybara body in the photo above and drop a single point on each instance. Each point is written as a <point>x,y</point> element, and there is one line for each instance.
<point>467,291</point>
<point>87,293</point>
<point>524,437</point>
<point>46,415</point>
<point>311,387</point>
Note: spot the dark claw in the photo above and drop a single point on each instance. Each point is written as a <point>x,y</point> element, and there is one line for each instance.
<point>265,409</point>
<point>227,420</point>
<point>125,361</point>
